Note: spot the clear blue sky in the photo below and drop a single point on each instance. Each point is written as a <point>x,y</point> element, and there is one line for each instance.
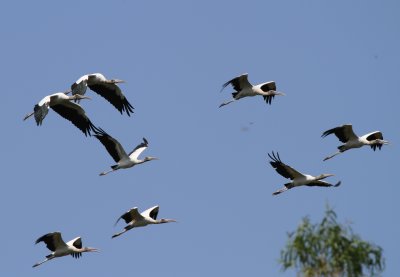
<point>337,62</point>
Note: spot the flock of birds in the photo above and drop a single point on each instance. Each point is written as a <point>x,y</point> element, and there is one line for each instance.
<point>68,107</point>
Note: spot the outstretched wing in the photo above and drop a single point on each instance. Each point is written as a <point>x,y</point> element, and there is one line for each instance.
<point>283,169</point>
<point>76,114</point>
<point>344,133</point>
<point>134,154</point>
<point>320,183</point>
<point>113,94</point>
<point>151,212</point>
<point>373,136</point>
<point>131,215</point>
<point>113,147</point>
<point>268,87</point>
<point>238,83</point>
<point>52,240</point>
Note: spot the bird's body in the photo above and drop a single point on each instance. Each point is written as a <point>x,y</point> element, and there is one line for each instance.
<point>108,89</point>
<point>243,88</point>
<point>298,179</point>
<point>135,219</point>
<point>346,135</point>
<point>118,153</point>
<point>62,104</point>
<point>59,248</point>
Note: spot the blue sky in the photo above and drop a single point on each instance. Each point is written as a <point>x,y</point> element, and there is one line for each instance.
<point>337,62</point>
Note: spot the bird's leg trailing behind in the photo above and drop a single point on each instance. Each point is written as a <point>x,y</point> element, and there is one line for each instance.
<point>28,115</point>
<point>120,233</point>
<point>285,188</point>
<point>226,103</point>
<point>48,258</point>
<point>333,155</point>
<point>106,172</point>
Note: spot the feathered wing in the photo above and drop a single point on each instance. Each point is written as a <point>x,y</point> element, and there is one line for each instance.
<point>113,94</point>
<point>373,136</point>
<point>268,87</point>
<point>76,114</point>
<point>151,212</point>
<point>40,112</point>
<point>129,216</point>
<point>52,240</point>
<point>319,183</point>
<point>344,133</point>
<point>113,147</point>
<point>283,169</point>
<point>80,86</point>
<point>134,154</point>
<point>77,243</point>
<point>238,83</point>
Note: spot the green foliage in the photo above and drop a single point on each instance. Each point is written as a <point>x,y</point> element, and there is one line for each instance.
<point>329,249</point>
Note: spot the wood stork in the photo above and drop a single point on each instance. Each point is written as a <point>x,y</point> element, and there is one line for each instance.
<point>61,103</point>
<point>118,153</point>
<point>345,134</point>
<point>135,219</point>
<point>243,88</point>
<point>108,89</point>
<point>298,179</point>
<point>59,248</point>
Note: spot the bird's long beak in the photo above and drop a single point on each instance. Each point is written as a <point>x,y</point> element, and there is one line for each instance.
<point>329,175</point>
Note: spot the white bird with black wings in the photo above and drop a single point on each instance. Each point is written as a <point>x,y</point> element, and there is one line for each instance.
<point>298,179</point>
<point>59,248</point>
<point>135,219</point>
<point>243,88</point>
<point>118,153</point>
<point>61,103</point>
<point>108,89</point>
<point>346,135</point>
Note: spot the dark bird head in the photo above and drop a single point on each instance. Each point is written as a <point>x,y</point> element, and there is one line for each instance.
<point>115,81</point>
<point>79,97</point>
<point>323,176</point>
<point>146,159</point>
<point>90,249</point>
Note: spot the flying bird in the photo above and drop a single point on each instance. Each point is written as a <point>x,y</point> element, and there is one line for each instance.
<point>118,153</point>
<point>105,88</point>
<point>61,103</point>
<point>346,135</point>
<point>135,219</point>
<point>59,248</point>
<point>243,88</point>
<point>298,179</point>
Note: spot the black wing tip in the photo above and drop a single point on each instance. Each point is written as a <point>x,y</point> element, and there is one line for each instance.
<point>145,141</point>
<point>275,158</point>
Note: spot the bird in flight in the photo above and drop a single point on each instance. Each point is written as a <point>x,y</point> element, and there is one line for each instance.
<point>118,153</point>
<point>59,248</point>
<point>61,103</point>
<point>243,88</point>
<point>346,135</point>
<point>297,178</point>
<point>135,219</point>
<point>108,89</point>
